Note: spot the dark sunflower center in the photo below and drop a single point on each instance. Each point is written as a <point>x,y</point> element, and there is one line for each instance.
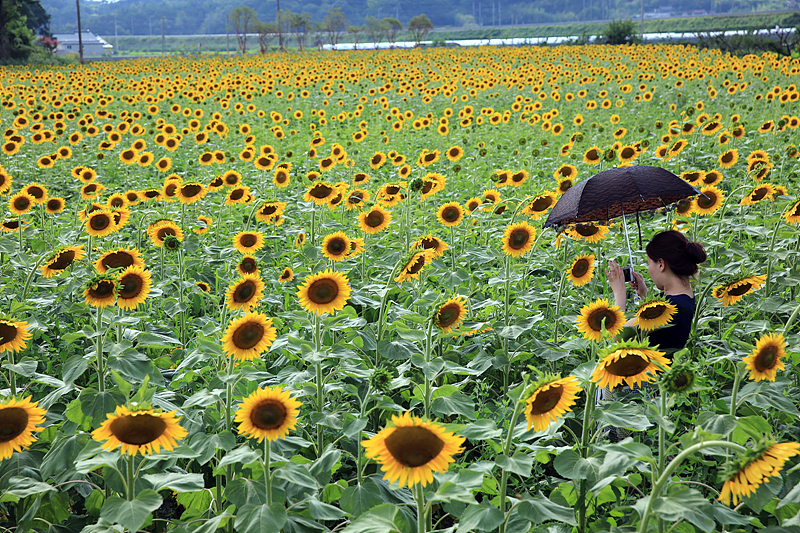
<point>629,365</point>
<point>248,240</point>
<point>171,189</point>
<point>245,291</point>
<point>592,155</point>
<point>118,260</point>
<point>581,268</point>
<point>152,193</point>
<point>337,246</point>
<point>7,333</point>
<point>269,414</point>
<point>130,286</point>
<point>430,244</point>
<point>597,316</point>
<point>413,446</point>
<point>374,219</point>
<point>323,291</point>
<point>11,224</point>
<point>627,153</point>
<point>766,359</point>
<point>268,210</point>
<point>103,289</point>
<point>356,197</point>
<point>684,207</point>
<point>248,265</point>
<point>138,430</point>
<point>682,381</point>
<point>744,288</point>
<point>63,260</point>
<point>100,222</point>
<point>518,238</point>
<point>206,157</point>
<point>13,421</point>
<point>453,152</point>
<point>237,194</point>
<point>248,335</point>
<point>286,274</point>
<point>36,192</point>
<point>758,194</point>
<point>653,311</point>
<point>360,177</point>
<point>392,189</point>
<point>518,177</point>
<point>586,230</point>
<point>450,214</point>
<point>706,200</point>
<point>448,315</point>
<point>336,200</point>
<point>427,186</point>
<point>191,190</point>
<point>216,182</point>
<point>547,400</point>
<point>320,191</point>
<point>727,157</point>
<point>416,266</point>
<point>430,157</point>
<point>281,177</point>
<point>540,204</point>
<point>163,232</point>
<point>21,203</point>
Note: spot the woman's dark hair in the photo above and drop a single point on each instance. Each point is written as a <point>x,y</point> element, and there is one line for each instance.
<point>681,255</point>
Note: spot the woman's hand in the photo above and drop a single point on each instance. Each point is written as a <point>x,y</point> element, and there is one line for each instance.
<point>617,282</point>
<point>637,284</point>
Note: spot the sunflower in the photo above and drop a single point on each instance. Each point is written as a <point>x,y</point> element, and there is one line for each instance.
<point>765,360</point>
<point>451,314</point>
<point>268,413</point>
<point>565,172</point>
<point>324,292</point>
<point>206,221</point>
<point>161,229</point>
<point>413,267</point>
<point>628,362</point>
<point>540,205</point>
<point>134,287</point>
<point>13,335</point>
<point>518,239</point>
<point>765,191</point>
<point>238,195</point>
<point>375,220</point>
<point>735,290</point>
<point>248,336</point>
<point>434,244</point>
<point>287,275</point>
<point>203,286</point>
<point>21,203</point>
<point>248,242</point>
<point>550,400</point>
<point>654,313</point>
<point>100,223</point>
<point>248,265</point>
<point>270,211</point>
<point>591,233</point>
<point>729,158</point>
<point>590,321</point>
<point>756,467</point>
<point>454,153</point>
<point>12,226</point>
<point>145,431</point>
<point>593,155</point>
<point>18,420</point>
<point>245,293</point>
<point>693,176</point>
<point>450,214</point>
<point>319,192</point>
<point>336,246</point>
<point>411,449</point>
<point>121,258</point>
<point>101,291</point>
<point>712,177</point>
<point>582,270</point>
<point>61,260</point>
<point>709,201</point>
<point>792,215</point>
<point>191,192</point>
<point>38,192</point>
<point>281,177</point>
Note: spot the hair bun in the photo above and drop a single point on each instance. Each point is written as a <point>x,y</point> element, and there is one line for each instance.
<point>696,252</point>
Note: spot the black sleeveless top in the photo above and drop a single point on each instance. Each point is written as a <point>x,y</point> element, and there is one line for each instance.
<point>674,335</point>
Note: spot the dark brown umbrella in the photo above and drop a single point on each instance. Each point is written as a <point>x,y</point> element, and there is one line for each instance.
<point>619,191</point>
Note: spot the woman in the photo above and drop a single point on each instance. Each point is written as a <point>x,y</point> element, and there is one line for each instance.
<point>671,261</point>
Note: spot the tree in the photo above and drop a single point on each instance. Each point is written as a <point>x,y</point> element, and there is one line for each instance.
<point>419,27</point>
<point>19,21</point>
<point>355,31</point>
<point>242,20</point>
<point>391,27</point>
<point>299,24</point>
<point>374,30</point>
<point>335,24</point>
<point>266,33</point>
<point>620,32</point>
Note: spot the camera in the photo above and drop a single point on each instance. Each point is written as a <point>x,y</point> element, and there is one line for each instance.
<point>626,273</point>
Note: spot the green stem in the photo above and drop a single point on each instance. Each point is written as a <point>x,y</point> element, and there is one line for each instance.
<point>12,376</point>
<point>180,296</point>
<point>267,475</point>
<point>587,419</point>
<point>557,314</point>
<point>737,378</point>
<point>662,437</point>
<point>30,277</point>
<point>507,319</point>
<point>131,483</point>
<point>507,452</point>
<point>771,257</point>
<point>428,344</point>
<point>101,371</point>
<point>419,495</point>
<point>673,465</point>
<point>791,320</point>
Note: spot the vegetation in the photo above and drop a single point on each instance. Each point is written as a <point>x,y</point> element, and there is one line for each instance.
<point>20,23</point>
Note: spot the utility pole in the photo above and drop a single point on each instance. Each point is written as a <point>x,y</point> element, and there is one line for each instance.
<point>162,36</point>
<point>280,28</point>
<point>116,36</point>
<point>641,26</point>
<point>80,35</point>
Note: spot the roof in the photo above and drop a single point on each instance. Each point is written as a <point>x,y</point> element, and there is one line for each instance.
<point>88,38</point>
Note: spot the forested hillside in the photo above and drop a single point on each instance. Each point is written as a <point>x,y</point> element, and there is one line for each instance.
<point>188,17</point>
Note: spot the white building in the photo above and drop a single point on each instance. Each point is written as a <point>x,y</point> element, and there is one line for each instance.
<point>93,45</point>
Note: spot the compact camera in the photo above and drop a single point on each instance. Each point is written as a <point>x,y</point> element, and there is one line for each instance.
<point>626,273</point>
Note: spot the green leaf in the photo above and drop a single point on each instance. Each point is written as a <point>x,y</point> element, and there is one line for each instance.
<point>25,486</point>
<point>482,429</point>
<point>176,481</point>
<point>623,416</point>
<point>480,517</point>
<point>297,475</point>
<point>452,492</point>
<point>539,509</point>
<point>74,368</point>
<point>751,427</point>
<point>243,455</point>
<point>26,367</point>
<point>397,350</point>
<point>358,499</point>
<point>131,364</point>
<point>242,491</point>
<point>323,511</point>
<point>100,460</point>
<point>455,404</point>
<point>570,465</point>
<point>385,518</point>
<point>719,424</point>
<point>520,463</point>
<point>131,514</point>
<point>260,518</point>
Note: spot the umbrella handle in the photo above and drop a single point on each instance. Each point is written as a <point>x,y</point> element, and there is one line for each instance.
<point>630,255</point>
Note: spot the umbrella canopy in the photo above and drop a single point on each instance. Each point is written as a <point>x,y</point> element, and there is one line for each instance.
<point>619,191</point>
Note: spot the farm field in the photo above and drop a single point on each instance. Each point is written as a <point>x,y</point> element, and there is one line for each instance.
<point>314,293</point>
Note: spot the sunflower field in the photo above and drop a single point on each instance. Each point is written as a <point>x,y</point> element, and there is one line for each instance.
<point>313,292</point>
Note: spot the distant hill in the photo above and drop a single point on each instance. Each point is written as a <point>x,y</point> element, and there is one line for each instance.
<point>191,17</point>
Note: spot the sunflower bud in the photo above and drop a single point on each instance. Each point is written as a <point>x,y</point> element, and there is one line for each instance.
<point>382,379</point>
<point>171,243</point>
<point>679,379</point>
<point>416,184</point>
